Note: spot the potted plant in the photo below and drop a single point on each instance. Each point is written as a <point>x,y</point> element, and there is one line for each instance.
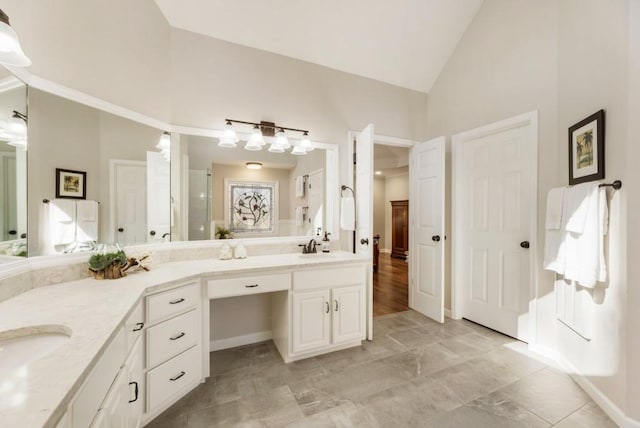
<point>107,262</point>
<point>223,233</point>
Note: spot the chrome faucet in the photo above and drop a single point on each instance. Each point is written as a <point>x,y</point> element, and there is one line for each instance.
<point>310,248</point>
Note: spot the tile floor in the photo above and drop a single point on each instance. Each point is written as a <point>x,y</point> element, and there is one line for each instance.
<point>415,373</point>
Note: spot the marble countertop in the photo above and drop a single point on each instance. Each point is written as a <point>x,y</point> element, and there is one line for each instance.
<point>37,394</point>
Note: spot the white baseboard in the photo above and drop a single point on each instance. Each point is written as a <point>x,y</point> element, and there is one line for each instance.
<point>609,407</point>
<point>232,342</point>
<point>447,313</point>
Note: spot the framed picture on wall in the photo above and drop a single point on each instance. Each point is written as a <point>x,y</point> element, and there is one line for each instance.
<point>71,184</point>
<point>586,149</point>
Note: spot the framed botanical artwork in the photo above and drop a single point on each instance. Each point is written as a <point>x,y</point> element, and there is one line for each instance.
<point>586,149</point>
<point>251,207</point>
<point>71,184</point>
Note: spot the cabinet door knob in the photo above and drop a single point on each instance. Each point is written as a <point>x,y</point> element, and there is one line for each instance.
<point>12,232</point>
<point>152,233</point>
<point>435,238</point>
<point>121,229</point>
<point>524,244</point>
<point>328,309</point>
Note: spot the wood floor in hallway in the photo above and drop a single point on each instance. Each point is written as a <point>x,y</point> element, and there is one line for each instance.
<point>390,289</point>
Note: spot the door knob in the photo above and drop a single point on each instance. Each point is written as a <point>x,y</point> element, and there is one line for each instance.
<point>524,244</point>
<point>364,241</point>
<point>435,238</point>
<point>121,229</point>
<point>152,233</point>
<point>12,232</point>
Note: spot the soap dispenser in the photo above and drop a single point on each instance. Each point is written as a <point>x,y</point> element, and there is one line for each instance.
<point>326,245</point>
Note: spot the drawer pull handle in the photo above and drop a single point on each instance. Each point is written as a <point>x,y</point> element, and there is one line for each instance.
<point>336,305</point>
<point>139,326</point>
<point>178,336</point>
<point>135,391</point>
<point>328,309</point>
<point>178,376</point>
<point>175,302</point>
<point>251,286</point>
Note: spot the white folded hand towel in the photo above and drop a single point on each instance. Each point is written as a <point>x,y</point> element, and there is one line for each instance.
<point>87,220</point>
<point>299,186</point>
<point>554,208</point>
<point>62,221</point>
<point>577,204</point>
<point>299,216</point>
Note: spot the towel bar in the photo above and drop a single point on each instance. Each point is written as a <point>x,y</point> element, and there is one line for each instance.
<point>616,185</point>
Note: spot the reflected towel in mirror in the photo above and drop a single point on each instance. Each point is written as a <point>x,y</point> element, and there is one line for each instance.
<point>347,213</point>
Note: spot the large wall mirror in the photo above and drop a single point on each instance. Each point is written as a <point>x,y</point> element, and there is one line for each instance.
<point>93,176</point>
<point>239,193</point>
<point>13,167</point>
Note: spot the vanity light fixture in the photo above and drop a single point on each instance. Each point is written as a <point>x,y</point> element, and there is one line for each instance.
<point>10,51</point>
<point>165,141</point>
<point>254,165</point>
<point>279,144</point>
<point>14,130</point>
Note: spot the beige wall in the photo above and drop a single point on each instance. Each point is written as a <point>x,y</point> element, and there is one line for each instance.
<point>116,50</point>
<point>396,189</point>
<point>518,56</point>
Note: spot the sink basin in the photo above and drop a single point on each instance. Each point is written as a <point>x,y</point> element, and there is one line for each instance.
<point>317,256</point>
<point>20,347</point>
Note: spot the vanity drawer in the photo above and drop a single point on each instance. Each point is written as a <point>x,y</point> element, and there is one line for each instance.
<point>172,337</point>
<point>172,302</point>
<point>248,285</point>
<point>324,278</point>
<point>167,380</point>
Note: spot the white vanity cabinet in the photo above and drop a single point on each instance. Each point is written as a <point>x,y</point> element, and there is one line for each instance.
<point>174,350</point>
<point>328,311</point>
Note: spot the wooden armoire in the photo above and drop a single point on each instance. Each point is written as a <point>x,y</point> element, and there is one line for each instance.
<point>399,229</point>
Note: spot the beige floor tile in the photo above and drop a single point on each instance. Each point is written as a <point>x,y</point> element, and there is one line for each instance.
<point>588,416</point>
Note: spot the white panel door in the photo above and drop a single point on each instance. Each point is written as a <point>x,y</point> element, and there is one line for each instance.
<point>495,220</point>
<point>348,314</point>
<point>158,198</point>
<point>427,221</point>
<point>311,320</point>
<point>364,211</point>
<point>131,203</point>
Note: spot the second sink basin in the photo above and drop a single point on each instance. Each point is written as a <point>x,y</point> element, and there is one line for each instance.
<point>22,346</point>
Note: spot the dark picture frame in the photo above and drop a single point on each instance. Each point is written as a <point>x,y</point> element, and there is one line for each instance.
<point>71,184</point>
<point>586,149</point>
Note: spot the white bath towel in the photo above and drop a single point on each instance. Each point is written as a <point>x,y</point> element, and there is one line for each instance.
<point>300,186</point>
<point>62,221</point>
<point>576,205</point>
<point>584,252</point>
<point>299,216</point>
<point>554,208</point>
<point>87,221</point>
<point>347,213</point>
<point>554,233</point>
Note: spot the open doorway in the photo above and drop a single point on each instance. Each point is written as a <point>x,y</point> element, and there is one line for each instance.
<point>390,229</point>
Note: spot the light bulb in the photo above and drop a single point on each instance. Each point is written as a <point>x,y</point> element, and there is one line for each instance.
<point>282,140</point>
<point>306,143</point>
<point>229,137</point>
<point>165,141</point>
<point>276,148</point>
<point>298,150</point>
<point>10,51</point>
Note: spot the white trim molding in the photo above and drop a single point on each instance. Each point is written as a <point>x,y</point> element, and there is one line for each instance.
<point>246,339</point>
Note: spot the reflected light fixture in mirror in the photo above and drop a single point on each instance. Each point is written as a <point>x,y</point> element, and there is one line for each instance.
<point>165,146</point>
<point>229,137</point>
<point>256,140</point>
<point>14,130</point>
<point>10,50</point>
<point>254,165</point>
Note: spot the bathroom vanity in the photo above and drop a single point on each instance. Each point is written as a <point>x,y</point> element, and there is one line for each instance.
<point>138,344</point>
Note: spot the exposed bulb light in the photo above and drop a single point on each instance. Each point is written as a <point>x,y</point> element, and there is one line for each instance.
<point>165,141</point>
<point>229,137</point>
<point>10,51</point>
<point>281,139</point>
<point>256,141</point>
<point>298,150</point>
<point>306,143</point>
<point>254,165</point>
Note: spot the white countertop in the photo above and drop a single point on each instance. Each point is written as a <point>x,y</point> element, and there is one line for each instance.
<point>93,310</point>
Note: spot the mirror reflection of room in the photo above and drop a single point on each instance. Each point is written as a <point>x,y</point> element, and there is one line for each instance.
<point>238,193</point>
<point>125,198</point>
<point>13,166</point>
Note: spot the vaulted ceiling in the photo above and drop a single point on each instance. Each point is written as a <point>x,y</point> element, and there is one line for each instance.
<point>404,42</point>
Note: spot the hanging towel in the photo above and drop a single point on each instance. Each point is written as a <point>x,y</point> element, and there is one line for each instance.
<point>347,213</point>
<point>584,252</point>
<point>87,221</point>
<point>554,233</point>
<point>62,221</point>
<point>300,186</point>
<point>554,208</point>
<point>577,205</point>
<point>299,216</point>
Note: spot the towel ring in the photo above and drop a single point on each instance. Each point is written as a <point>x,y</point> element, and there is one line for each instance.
<point>343,188</point>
